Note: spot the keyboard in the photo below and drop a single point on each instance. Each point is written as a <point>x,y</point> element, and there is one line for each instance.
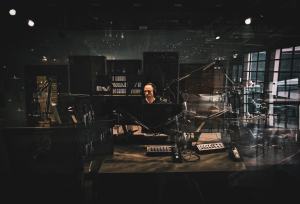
<point>159,150</point>
<point>210,147</point>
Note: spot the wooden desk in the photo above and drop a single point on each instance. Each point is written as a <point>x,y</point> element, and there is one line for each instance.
<point>132,159</point>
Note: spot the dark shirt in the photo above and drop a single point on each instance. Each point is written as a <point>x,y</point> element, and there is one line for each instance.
<point>158,100</point>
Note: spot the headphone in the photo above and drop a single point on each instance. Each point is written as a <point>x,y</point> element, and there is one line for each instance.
<point>153,86</point>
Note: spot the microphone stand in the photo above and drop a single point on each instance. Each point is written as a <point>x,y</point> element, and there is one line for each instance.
<point>176,153</point>
<point>203,68</point>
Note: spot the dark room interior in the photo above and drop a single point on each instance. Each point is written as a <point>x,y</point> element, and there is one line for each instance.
<point>149,101</point>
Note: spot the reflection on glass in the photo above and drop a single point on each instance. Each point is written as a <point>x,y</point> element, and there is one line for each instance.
<point>261,66</point>
<point>252,76</point>
<point>262,56</point>
<point>253,66</point>
<point>296,65</point>
<point>260,76</point>
<point>284,75</point>
<point>254,56</point>
<point>287,53</point>
<point>285,65</point>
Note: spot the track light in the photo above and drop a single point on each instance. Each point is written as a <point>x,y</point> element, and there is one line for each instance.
<point>12,12</point>
<point>235,55</point>
<point>30,23</point>
<point>248,21</point>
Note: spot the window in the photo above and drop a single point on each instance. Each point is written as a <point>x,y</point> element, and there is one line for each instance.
<point>254,77</point>
<point>285,72</point>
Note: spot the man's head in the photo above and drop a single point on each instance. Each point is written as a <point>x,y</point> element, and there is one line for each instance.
<point>149,91</point>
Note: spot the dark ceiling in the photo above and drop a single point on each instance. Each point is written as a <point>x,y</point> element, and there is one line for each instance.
<point>274,23</point>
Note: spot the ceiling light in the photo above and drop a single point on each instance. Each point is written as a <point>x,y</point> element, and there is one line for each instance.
<point>248,21</point>
<point>12,12</point>
<point>44,59</point>
<point>30,23</point>
<point>218,37</point>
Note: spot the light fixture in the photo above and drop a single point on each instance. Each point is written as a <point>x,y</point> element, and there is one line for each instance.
<point>248,21</point>
<point>218,37</point>
<point>44,59</point>
<point>12,12</point>
<point>30,23</point>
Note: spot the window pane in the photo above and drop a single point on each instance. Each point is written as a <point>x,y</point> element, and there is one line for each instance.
<point>285,65</point>
<point>253,66</point>
<point>292,82</point>
<point>295,75</point>
<point>284,76</point>
<point>253,76</point>
<point>262,56</point>
<point>296,65</point>
<point>287,53</point>
<point>254,56</point>
<point>297,52</point>
<point>260,76</point>
<point>281,88</point>
<point>261,66</point>
<point>271,66</point>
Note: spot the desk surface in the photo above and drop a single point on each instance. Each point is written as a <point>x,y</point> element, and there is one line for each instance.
<point>132,159</point>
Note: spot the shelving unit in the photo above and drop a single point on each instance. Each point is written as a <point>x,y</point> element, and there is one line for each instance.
<point>119,84</point>
<point>125,76</point>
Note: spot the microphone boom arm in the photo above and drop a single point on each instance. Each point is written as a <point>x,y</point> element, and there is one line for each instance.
<point>203,68</point>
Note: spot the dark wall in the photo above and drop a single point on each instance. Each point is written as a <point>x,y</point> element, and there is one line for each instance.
<point>84,71</point>
<point>162,69</point>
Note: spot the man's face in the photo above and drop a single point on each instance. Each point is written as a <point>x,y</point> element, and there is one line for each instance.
<point>148,91</point>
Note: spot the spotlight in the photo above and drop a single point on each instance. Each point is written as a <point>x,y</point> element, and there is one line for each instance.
<point>12,12</point>
<point>44,59</point>
<point>218,37</point>
<point>248,21</point>
<point>30,23</point>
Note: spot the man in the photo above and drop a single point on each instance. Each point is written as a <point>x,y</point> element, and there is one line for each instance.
<point>149,92</point>
<point>155,122</point>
